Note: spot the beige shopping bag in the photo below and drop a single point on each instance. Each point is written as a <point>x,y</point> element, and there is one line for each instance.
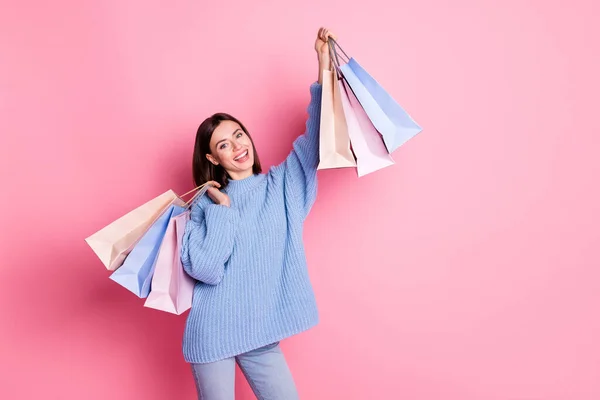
<point>115,241</point>
<point>334,141</point>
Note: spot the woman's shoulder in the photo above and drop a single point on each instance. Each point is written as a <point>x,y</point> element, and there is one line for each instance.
<point>203,201</point>
<point>200,203</point>
<point>198,207</point>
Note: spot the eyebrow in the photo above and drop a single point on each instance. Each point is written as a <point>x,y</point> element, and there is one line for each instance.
<point>222,140</point>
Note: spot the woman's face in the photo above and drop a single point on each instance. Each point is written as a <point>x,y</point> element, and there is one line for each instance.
<point>232,149</point>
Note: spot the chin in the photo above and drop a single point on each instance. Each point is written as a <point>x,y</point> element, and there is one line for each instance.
<point>247,165</point>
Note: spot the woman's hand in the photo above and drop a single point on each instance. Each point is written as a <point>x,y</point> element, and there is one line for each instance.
<point>322,49</point>
<point>216,195</point>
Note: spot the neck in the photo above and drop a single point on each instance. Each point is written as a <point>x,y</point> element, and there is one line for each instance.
<point>236,176</point>
<point>236,186</point>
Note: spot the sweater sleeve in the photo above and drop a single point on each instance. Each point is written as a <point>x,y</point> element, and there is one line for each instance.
<point>300,167</point>
<point>208,242</point>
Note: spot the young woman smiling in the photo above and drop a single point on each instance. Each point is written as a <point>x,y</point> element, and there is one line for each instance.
<point>244,247</point>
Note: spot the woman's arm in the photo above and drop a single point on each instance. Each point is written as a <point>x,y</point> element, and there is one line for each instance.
<point>300,167</point>
<point>208,242</point>
<point>322,49</point>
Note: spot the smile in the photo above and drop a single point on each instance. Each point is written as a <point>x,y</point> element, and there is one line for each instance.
<point>242,157</point>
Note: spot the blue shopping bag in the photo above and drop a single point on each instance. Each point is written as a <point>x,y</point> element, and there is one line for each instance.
<point>394,124</point>
<point>136,272</point>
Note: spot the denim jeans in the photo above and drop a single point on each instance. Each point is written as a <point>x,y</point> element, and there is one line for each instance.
<point>265,369</point>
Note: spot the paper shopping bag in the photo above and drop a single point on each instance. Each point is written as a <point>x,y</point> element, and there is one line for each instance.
<point>115,241</point>
<point>172,288</point>
<point>136,272</point>
<point>367,144</point>
<point>389,118</point>
<point>334,142</point>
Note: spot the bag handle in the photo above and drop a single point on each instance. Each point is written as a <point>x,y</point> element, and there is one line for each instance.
<point>335,57</point>
<point>200,190</point>
<point>335,46</point>
<point>193,190</point>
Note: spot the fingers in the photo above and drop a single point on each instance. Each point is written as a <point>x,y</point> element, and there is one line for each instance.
<point>214,194</point>
<point>218,197</point>
<point>213,183</point>
<point>324,34</point>
<point>213,191</point>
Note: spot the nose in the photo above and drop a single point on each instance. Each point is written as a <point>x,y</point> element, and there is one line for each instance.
<point>236,145</point>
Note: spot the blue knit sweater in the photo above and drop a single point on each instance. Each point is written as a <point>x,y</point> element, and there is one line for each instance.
<point>253,287</point>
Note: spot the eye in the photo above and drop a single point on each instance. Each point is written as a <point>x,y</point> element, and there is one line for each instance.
<point>239,135</point>
<point>224,145</point>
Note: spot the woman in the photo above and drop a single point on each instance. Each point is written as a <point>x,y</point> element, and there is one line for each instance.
<point>244,246</point>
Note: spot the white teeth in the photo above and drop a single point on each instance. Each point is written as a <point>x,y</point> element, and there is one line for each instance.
<point>241,155</point>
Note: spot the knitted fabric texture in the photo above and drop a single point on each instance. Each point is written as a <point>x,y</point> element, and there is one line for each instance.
<point>253,286</point>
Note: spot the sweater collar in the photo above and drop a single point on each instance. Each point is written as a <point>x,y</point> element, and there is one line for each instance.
<point>243,185</point>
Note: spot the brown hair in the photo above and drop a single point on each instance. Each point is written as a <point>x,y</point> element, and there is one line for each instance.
<point>202,169</point>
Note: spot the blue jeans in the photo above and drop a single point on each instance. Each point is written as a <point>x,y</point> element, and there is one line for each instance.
<point>265,369</point>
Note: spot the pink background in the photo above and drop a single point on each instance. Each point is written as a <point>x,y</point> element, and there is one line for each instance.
<point>469,270</point>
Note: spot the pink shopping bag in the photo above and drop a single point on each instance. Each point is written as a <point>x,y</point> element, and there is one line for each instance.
<point>367,143</point>
<point>172,288</point>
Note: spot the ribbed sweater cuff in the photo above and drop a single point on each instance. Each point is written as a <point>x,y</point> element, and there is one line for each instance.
<point>315,90</point>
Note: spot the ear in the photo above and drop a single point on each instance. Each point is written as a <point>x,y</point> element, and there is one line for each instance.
<point>212,159</point>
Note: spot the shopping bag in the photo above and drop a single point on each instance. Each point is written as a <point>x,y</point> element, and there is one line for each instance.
<point>334,142</point>
<point>367,144</point>
<point>389,118</point>
<point>172,288</point>
<point>136,272</point>
<point>116,240</point>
